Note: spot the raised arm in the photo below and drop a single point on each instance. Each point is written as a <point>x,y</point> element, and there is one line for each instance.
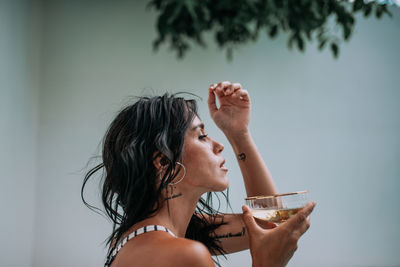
<point>272,247</point>
<point>232,117</point>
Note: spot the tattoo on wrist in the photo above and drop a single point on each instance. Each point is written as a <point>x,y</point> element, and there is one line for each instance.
<point>242,156</point>
<point>228,235</point>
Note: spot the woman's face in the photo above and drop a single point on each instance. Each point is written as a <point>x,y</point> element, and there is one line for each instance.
<point>203,160</point>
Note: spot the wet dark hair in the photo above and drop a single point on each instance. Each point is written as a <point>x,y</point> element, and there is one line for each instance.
<point>150,128</point>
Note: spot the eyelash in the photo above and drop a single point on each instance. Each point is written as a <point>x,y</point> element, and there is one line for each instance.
<point>201,137</point>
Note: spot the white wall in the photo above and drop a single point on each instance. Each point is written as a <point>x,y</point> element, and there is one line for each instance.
<point>329,126</point>
<point>18,131</point>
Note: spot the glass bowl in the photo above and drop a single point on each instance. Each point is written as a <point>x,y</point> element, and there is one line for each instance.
<point>277,208</point>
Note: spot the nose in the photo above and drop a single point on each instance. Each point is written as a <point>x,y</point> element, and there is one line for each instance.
<point>218,147</point>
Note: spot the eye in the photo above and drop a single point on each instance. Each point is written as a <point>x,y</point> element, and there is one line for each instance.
<point>203,136</point>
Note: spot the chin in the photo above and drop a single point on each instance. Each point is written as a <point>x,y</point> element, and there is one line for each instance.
<point>224,183</point>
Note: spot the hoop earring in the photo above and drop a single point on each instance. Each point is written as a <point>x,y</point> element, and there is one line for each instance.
<point>183,176</point>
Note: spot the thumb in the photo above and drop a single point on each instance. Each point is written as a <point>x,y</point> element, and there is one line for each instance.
<point>212,105</point>
<point>249,221</point>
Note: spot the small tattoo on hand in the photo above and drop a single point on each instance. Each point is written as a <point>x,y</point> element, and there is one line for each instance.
<point>242,156</point>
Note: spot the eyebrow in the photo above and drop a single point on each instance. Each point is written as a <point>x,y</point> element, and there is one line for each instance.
<point>200,125</point>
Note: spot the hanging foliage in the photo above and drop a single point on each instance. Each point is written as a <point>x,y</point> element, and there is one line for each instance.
<point>236,22</point>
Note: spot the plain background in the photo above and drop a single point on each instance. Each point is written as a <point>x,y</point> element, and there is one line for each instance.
<point>325,125</point>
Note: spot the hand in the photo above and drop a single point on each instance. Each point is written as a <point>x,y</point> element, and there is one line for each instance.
<point>274,248</point>
<point>233,115</point>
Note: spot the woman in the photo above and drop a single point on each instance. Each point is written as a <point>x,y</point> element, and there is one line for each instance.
<point>159,161</point>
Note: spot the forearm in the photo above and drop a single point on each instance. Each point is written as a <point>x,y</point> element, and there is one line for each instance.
<point>256,176</point>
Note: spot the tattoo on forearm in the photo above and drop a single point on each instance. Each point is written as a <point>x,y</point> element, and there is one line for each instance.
<point>174,196</point>
<point>228,235</point>
<point>242,156</point>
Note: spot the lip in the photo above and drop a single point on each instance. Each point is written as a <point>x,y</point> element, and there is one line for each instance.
<point>222,166</point>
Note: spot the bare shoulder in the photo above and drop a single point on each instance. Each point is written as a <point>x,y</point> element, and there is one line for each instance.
<point>163,250</point>
<point>188,252</point>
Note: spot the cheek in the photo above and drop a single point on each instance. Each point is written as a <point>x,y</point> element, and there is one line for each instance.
<point>200,162</point>
<point>199,167</point>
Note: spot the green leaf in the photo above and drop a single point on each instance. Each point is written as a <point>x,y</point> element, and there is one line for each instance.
<point>273,31</point>
<point>357,5</point>
<point>346,32</point>
<point>322,44</point>
<point>176,10</point>
<point>367,10</point>
<point>335,49</point>
<point>190,7</point>
<point>378,12</point>
<point>234,23</point>
<point>384,8</point>
<point>300,43</point>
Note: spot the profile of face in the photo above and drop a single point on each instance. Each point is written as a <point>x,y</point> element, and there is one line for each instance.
<point>203,160</point>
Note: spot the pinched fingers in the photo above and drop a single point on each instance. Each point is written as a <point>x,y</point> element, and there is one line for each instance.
<point>232,88</point>
<point>221,87</point>
<point>225,88</point>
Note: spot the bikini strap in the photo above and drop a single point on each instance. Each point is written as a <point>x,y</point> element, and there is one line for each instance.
<point>148,228</point>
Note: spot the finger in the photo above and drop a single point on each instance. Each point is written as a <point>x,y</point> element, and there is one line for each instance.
<point>301,216</point>
<point>249,221</point>
<point>219,90</point>
<point>236,94</point>
<point>223,84</point>
<point>304,226</point>
<point>244,95</point>
<point>265,224</point>
<point>229,89</point>
<point>212,86</point>
<point>301,229</point>
<point>212,104</point>
<point>271,225</point>
<point>236,86</point>
<point>233,87</point>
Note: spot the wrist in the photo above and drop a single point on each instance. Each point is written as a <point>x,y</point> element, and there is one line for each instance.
<point>237,139</point>
<point>262,258</point>
<point>258,263</point>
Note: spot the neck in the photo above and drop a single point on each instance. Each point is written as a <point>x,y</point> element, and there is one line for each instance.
<point>176,211</point>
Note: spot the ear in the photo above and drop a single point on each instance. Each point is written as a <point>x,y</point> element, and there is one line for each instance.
<point>159,160</point>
